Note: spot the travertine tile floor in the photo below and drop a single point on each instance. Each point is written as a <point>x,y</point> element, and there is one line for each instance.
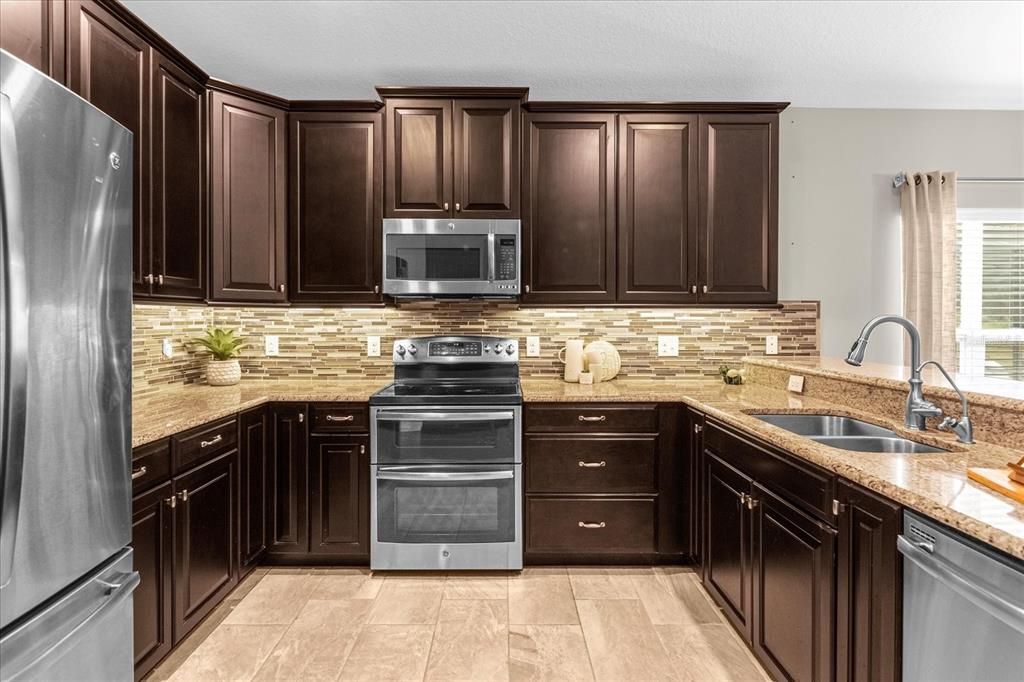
<point>541,624</point>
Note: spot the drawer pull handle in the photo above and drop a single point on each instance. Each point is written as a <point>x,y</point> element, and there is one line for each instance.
<point>592,465</point>
<point>345,418</point>
<point>585,418</point>
<point>213,441</point>
<point>138,473</point>
<point>585,524</point>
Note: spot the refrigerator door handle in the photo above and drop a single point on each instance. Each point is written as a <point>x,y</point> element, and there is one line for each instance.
<point>14,328</point>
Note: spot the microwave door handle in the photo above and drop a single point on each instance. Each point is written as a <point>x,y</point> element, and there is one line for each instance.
<point>490,257</point>
<point>385,475</point>
<point>446,416</point>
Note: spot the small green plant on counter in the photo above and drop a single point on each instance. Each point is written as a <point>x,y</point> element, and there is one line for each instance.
<point>730,376</point>
<point>221,343</point>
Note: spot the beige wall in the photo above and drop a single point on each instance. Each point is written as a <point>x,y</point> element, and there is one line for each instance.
<point>839,235</point>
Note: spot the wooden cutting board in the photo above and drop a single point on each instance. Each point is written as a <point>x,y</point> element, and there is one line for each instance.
<point>998,480</point>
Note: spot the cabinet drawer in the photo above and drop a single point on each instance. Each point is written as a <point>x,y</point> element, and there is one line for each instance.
<point>591,417</point>
<point>198,445</point>
<point>328,418</point>
<point>151,463</point>
<point>809,486</point>
<point>590,526</point>
<point>611,464</point>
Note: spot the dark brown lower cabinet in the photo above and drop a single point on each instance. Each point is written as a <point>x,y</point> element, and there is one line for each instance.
<point>287,487</point>
<point>727,540</point>
<point>793,589</point>
<point>205,554</point>
<point>153,556</point>
<point>868,624</point>
<point>252,488</point>
<point>339,500</point>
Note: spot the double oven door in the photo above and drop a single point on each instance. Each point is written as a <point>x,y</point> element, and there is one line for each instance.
<point>446,488</point>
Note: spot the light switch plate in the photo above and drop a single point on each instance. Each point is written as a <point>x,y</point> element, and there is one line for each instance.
<point>373,346</point>
<point>167,348</point>
<point>771,345</point>
<point>668,346</point>
<point>533,346</point>
<point>796,383</point>
<point>271,345</point>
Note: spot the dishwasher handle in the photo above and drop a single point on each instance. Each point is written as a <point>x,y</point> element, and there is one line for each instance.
<point>972,590</point>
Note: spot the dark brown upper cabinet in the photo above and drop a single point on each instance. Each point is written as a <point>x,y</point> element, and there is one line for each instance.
<point>177,235</point>
<point>335,172</point>
<point>451,157</point>
<point>109,66</point>
<point>248,174</point>
<point>738,233</point>
<point>33,31</point>
<point>657,195</point>
<point>569,208</point>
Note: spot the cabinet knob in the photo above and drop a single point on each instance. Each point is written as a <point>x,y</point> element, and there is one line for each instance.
<point>302,417</point>
<point>751,502</point>
<point>280,288</point>
<point>171,501</point>
<point>148,279</point>
<point>183,495</point>
<point>697,428</point>
<point>446,205</point>
<point>704,289</point>
<point>837,507</point>
<point>362,449</point>
<point>160,280</point>
<point>527,288</point>
<point>376,288</point>
<point>693,289</point>
<point>457,207</point>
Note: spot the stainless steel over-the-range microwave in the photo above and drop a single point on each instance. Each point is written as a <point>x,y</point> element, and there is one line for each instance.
<point>456,257</point>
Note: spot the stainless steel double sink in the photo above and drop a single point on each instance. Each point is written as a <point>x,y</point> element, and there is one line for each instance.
<point>846,433</point>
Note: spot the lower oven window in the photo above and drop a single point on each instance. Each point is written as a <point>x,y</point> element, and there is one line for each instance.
<point>446,511</point>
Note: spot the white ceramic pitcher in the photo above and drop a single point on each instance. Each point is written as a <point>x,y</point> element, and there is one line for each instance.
<point>572,357</point>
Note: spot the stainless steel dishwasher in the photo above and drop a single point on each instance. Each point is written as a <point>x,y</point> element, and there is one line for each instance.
<point>963,607</point>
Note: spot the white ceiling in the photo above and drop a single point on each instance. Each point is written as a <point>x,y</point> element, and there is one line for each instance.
<point>944,55</point>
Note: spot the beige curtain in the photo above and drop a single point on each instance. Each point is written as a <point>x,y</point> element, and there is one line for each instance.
<point>928,210</point>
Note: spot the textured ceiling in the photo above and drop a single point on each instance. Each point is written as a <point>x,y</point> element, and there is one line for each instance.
<point>956,55</point>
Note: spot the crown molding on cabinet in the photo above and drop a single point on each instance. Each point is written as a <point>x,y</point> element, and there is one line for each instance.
<point>686,107</point>
<point>468,92</point>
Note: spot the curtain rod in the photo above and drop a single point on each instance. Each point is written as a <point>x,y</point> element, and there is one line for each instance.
<point>901,179</point>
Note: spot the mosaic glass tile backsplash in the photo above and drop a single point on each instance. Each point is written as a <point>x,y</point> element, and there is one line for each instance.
<point>330,343</point>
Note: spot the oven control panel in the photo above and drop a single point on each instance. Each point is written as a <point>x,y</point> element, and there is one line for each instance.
<point>456,349</point>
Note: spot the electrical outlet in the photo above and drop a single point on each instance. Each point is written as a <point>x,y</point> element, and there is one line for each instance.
<point>668,346</point>
<point>373,346</point>
<point>167,348</point>
<point>271,345</point>
<point>771,345</point>
<point>533,346</point>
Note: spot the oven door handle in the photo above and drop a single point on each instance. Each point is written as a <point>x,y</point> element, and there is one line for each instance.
<point>446,416</point>
<point>384,475</point>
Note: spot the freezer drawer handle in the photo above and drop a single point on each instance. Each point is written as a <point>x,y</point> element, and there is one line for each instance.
<point>972,590</point>
<point>213,441</point>
<point>585,524</point>
<point>138,473</point>
<point>345,418</point>
<point>127,578</point>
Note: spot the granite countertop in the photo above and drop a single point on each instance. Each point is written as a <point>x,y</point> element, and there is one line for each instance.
<point>934,484</point>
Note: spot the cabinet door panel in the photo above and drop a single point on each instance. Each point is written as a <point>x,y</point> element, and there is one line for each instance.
<point>33,31</point>
<point>738,233</point>
<point>419,158</point>
<point>287,511</point>
<point>252,530</point>
<point>486,158</point>
<point>108,65</point>
<point>727,540</point>
<point>336,163</point>
<point>205,538</point>
<point>153,547</point>
<point>248,165</point>
<point>868,625</point>
<point>794,588</point>
<point>179,183</point>
<point>339,498</point>
<point>569,208</point>
<point>657,207</point>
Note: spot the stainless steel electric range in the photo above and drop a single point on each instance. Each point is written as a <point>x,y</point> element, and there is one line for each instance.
<point>445,457</point>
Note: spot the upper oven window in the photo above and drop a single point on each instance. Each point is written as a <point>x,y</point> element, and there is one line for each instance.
<point>450,437</point>
<point>425,257</point>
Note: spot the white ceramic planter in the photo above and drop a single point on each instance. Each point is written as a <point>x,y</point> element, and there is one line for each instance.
<point>223,372</point>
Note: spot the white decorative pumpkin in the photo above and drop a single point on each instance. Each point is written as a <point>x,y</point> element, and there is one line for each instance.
<point>611,363</point>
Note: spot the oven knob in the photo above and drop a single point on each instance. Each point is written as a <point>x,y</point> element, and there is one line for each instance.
<point>510,348</point>
<point>498,348</point>
<point>412,349</point>
<point>400,349</point>
<point>487,349</point>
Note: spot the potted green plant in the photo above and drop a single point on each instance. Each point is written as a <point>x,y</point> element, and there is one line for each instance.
<point>224,348</point>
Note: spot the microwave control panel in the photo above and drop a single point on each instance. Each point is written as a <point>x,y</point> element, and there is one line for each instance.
<point>505,258</point>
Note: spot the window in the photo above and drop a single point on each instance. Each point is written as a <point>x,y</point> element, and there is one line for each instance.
<point>990,293</point>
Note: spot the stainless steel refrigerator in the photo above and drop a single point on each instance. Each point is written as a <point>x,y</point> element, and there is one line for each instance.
<point>66,575</point>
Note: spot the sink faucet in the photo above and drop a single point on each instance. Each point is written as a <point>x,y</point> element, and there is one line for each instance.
<point>918,409</point>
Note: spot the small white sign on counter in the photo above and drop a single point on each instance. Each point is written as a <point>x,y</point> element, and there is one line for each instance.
<point>796,383</point>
